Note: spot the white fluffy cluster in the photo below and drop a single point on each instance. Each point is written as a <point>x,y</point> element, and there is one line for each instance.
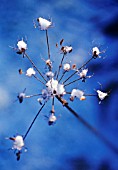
<point>66,49</point>
<point>18,143</point>
<point>55,87</point>
<point>44,24</point>
<point>83,73</point>
<point>101,95</point>
<point>77,93</point>
<point>96,52</point>
<point>30,72</point>
<point>50,74</point>
<point>22,46</point>
<point>66,67</point>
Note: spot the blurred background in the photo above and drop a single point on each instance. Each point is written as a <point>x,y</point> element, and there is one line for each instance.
<point>68,144</point>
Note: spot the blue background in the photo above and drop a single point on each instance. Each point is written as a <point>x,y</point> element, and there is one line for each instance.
<point>67,144</point>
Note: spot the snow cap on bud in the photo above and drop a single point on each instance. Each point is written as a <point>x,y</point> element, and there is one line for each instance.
<point>30,72</point>
<point>66,49</point>
<point>22,46</point>
<point>95,52</point>
<point>83,73</point>
<point>44,24</point>
<point>101,95</point>
<point>66,67</point>
<point>77,93</point>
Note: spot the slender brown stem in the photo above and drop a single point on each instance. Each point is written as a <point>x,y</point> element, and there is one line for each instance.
<point>33,122</point>
<point>48,44</point>
<point>34,66</point>
<point>78,70</point>
<point>60,66</point>
<point>90,127</point>
<point>62,75</point>
<point>53,111</point>
<point>39,79</point>
<point>72,81</point>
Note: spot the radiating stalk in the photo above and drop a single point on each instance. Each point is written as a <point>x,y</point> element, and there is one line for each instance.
<point>78,70</point>
<point>48,44</point>
<point>72,82</point>
<point>35,66</point>
<point>60,66</point>
<point>33,122</point>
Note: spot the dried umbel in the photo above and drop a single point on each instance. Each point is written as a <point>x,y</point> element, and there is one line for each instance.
<point>55,84</point>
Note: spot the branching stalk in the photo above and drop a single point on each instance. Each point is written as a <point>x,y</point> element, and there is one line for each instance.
<point>72,81</point>
<point>78,70</point>
<point>48,44</point>
<point>34,66</point>
<point>33,122</point>
<point>60,66</point>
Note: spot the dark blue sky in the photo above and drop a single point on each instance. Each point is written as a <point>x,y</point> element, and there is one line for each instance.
<point>67,144</point>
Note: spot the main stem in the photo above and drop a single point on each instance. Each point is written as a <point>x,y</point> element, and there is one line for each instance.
<point>90,127</point>
<point>33,122</point>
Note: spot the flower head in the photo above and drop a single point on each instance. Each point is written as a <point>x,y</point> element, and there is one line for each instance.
<point>52,119</point>
<point>30,72</point>
<point>77,93</point>
<point>95,52</point>
<point>50,74</point>
<point>66,49</point>
<point>101,95</point>
<point>22,46</point>
<point>55,87</point>
<point>66,67</point>
<point>21,96</point>
<point>44,24</point>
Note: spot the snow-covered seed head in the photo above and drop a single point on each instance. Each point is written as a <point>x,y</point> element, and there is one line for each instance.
<point>30,72</point>
<point>20,97</point>
<point>50,74</point>
<point>52,119</point>
<point>66,49</point>
<point>48,62</point>
<point>95,52</point>
<point>66,67</point>
<point>101,95</point>
<point>55,87</point>
<point>44,24</point>
<point>22,46</point>
<point>77,93</point>
<point>83,73</point>
<point>18,142</point>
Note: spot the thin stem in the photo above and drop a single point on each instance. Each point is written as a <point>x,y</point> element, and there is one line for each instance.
<point>39,79</point>
<point>60,66</point>
<point>78,70</point>
<point>48,44</point>
<point>34,66</point>
<point>33,122</point>
<point>62,75</point>
<point>33,95</point>
<point>72,81</point>
<point>53,111</point>
<point>91,128</point>
<point>90,95</point>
